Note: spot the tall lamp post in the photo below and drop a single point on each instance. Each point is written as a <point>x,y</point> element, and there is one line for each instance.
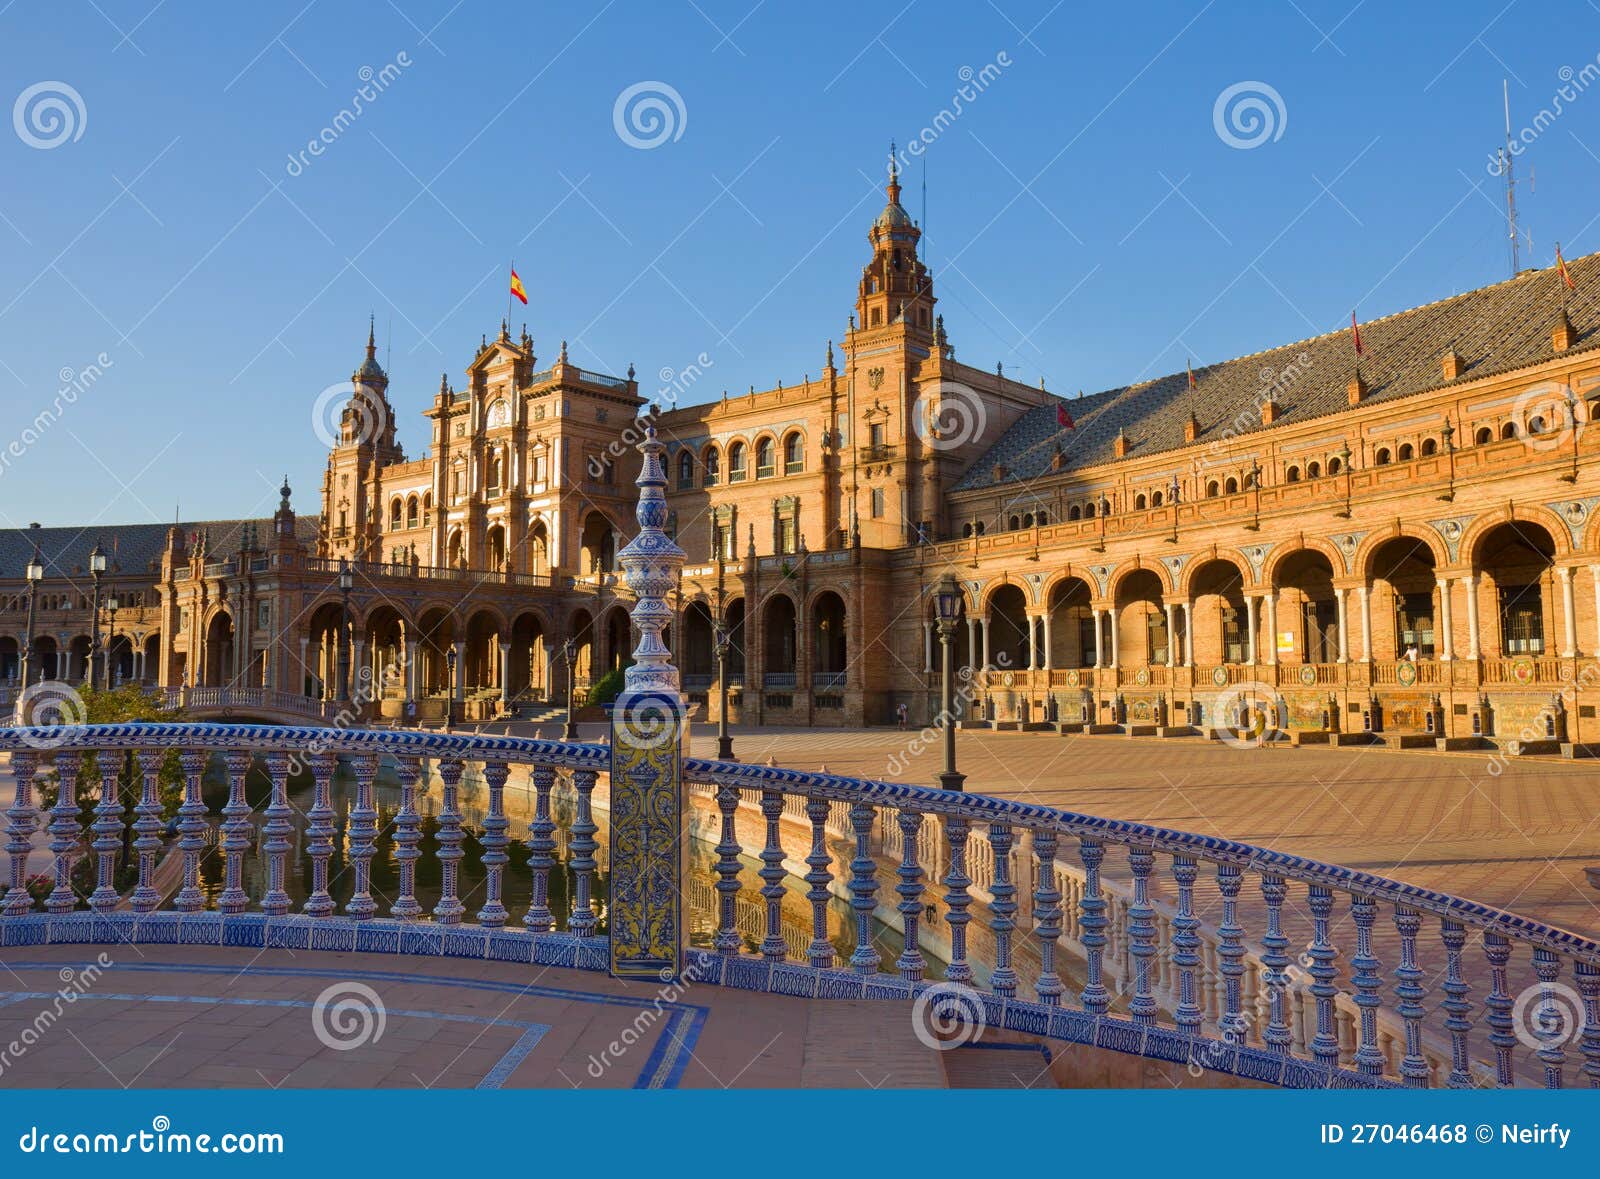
<point>97,570</point>
<point>1572,428</point>
<point>569,656</point>
<point>947,599</point>
<point>1344,465</point>
<point>35,576</point>
<point>346,581</point>
<point>723,643</point>
<point>1449,433</point>
<point>450,688</point>
<point>111,635</point>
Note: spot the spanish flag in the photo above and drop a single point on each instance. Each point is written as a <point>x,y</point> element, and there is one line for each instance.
<point>1192,383</point>
<point>516,287</point>
<point>1561,269</point>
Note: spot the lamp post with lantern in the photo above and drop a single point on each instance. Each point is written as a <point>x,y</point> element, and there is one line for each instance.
<point>35,575</point>
<point>97,570</point>
<point>569,656</point>
<point>112,605</point>
<point>947,601</point>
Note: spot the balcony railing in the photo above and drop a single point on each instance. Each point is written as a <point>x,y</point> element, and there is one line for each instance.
<point>1051,924</point>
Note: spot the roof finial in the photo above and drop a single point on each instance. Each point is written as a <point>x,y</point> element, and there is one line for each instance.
<point>372,337</point>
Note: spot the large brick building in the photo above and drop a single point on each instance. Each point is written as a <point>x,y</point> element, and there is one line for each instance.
<point>1405,539</point>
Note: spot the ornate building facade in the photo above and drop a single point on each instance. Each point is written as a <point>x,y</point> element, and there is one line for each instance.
<point>1404,540</point>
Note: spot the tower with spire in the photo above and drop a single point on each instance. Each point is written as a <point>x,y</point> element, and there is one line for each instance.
<point>366,444</point>
<point>896,289</point>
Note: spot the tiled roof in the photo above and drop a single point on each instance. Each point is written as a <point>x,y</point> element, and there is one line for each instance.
<point>129,548</point>
<point>1495,329</point>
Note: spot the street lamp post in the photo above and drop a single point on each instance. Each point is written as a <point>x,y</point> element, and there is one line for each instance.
<point>1572,428</point>
<point>569,656</point>
<point>1344,465</point>
<point>35,576</point>
<point>346,581</point>
<point>450,688</point>
<point>97,569</point>
<point>1172,499</point>
<point>1255,483</point>
<point>1449,433</point>
<point>112,605</point>
<point>723,643</point>
<point>948,602</point>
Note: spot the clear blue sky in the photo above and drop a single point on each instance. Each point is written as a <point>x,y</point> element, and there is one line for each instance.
<point>1086,220</point>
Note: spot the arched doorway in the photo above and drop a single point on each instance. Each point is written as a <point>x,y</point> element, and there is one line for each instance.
<point>1401,571</point>
<point>1518,590</point>
<point>530,657</point>
<point>1221,620</point>
<point>217,666</point>
<point>618,650</point>
<point>1307,609</point>
<point>778,634</point>
<point>699,656</point>
<point>482,653</point>
<point>581,630</point>
<point>150,659</point>
<point>831,659</point>
<point>325,632</point>
<point>1008,628</point>
<point>599,544</point>
<point>436,632</point>
<point>10,659</point>
<point>1071,624</point>
<point>78,658</point>
<point>385,655</point>
<point>1140,620</point>
<point>539,548</point>
<point>495,548</point>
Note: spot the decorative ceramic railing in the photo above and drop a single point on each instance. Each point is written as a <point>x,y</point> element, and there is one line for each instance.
<point>1178,947</point>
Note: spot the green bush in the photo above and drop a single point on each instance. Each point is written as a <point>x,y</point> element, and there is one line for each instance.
<point>605,689</point>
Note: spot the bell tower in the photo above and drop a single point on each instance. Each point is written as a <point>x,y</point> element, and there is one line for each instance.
<point>896,287</point>
<point>365,445</point>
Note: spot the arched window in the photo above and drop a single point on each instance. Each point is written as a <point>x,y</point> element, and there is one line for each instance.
<point>966,529</point>
<point>1292,475</point>
<point>427,508</point>
<point>1027,521</point>
<point>1535,426</point>
<point>1484,436</point>
<point>1155,500</point>
<point>1013,524</point>
<point>1509,430</point>
<point>1406,453</point>
<point>794,454</point>
<point>1429,447</point>
<point>1089,510</point>
<point>1313,470</point>
<point>736,463</point>
<point>980,528</point>
<point>1074,512</point>
<point>685,469</point>
<point>1042,519</point>
<point>1381,459</point>
<point>1231,487</point>
<point>411,512</point>
<point>766,459</point>
<point>1212,489</point>
<point>1139,502</point>
<point>1334,466</point>
<point>394,515</point>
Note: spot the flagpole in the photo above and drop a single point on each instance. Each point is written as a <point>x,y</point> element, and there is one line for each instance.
<point>511,269</point>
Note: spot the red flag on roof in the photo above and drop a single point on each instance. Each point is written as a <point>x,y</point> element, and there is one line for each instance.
<point>1192,384</point>
<point>1063,418</point>
<point>1355,335</point>
<point>1561,269</point>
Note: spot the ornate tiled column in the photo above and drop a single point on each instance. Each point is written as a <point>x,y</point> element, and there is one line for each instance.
<point>647,732</point>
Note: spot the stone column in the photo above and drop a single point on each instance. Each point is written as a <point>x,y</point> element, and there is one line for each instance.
<point>459,680</point>
<point>1446,645</point>
<point>1047,642</point>
<point>1033,643</point>
<point>305,643</point>
<point>1569,615</point>
<point>1470,581</point>
<point>1271,600</point>
<point>1188,634</point>
<point>505,674</point>
<point>927,647</point>
<point>1364,596</point>
<point>1250,627</point>
<point>1116,639</point>
<point>411,671</point>
<point>984,622</point>
<point>972,641</point>
<point>1172,633</point>
<point>1344,637</point>
<point>1099,638</point>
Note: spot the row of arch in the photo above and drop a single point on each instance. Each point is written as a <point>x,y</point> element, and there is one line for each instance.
<point>132,657</point>
<point>765,453</point>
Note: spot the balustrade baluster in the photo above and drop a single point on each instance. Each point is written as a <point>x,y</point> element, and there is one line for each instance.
<point>1002,910</point>
<point>1273,961</point>
<point>65,832</point>
<point>956,899</point>
<point>320,833</point>
<point>1047,917</point>
<point>911,962</point>
<point>771,873</point>
<point>1186,946</point>
<point>864,958</point>
<point>407,835</point>
<point>1325,1044</point>
<point>1230,879</point>
<point>107,830</point>
<point>363,833</point>
<point>583,845</point>
<point>1551,1019</point>
<point>191,830</point>
<point>1588,979</point>
<point>541,851</point>
<point>1141,933</point>
<point>494,841</point>
<point>449,909</point>
<point>148,826</point>
<point>235,834</point>
<point>277,831</point>
<point>1497,951</point>
<point>727,886</point>
<point>1454,936</point>
<point>1414,1068</point>
<point>1096,998</point>
<point>820,951</point>
<point>1364,979</point>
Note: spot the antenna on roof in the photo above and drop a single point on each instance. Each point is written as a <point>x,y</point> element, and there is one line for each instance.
<point>1507,169</point>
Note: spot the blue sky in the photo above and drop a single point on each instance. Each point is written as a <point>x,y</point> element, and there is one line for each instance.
<point>1087,222</point>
